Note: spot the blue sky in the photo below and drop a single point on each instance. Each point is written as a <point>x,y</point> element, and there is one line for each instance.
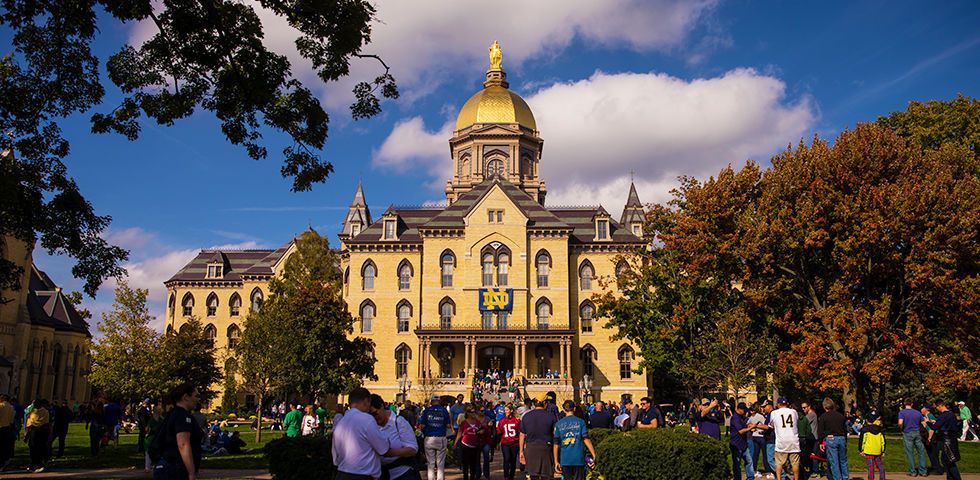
<point>660,88</point>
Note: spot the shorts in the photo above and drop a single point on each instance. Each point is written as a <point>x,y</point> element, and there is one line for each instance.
<point>783,457</point>
<point>538,458</point>
<point>577,472</point>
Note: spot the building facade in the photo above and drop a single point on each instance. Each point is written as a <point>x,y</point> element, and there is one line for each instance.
<point>44,342</point>
<point>493,280</point>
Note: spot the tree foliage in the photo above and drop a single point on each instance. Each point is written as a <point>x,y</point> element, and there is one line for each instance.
<point>189,356</point>
<point>935,123</point>
<point>300,340</point>
<point>210,55</point>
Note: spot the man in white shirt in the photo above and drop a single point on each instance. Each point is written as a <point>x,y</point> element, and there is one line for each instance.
<point>785,423</point>
<point>400,460</point>
<point>358,444</point>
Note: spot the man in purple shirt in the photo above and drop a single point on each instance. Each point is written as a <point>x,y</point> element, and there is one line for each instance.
<point>909,420</point>
<point>739,430</point>
<point>709,419</point>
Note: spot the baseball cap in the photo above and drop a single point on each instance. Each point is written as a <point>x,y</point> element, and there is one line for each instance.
<point>782,401</point>
<point>568,405</point>
<point>705,401</point>
<point>961,402</point>
<point>436,397</point>
<point>766,402</point>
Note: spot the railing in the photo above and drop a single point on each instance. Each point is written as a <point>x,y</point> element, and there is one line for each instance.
<point>491,326</point>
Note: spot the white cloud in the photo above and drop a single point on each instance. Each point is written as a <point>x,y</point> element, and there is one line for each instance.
<point>599,129</point>
<point>129,238</point>
<point>425,42</point>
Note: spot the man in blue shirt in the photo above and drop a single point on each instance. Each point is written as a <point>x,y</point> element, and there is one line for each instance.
<point>909,420</point>
<point>649,415</point>
<point>571,438</point>
<point>948,429</point>
<point>434,423</point>
<point>739,430</point>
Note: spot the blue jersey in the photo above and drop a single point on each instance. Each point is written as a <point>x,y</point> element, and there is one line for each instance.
<point>434,421</point>
<point>570,433</point>
<point>499,411</point>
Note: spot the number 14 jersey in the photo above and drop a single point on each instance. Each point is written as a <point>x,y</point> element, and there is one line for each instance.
<point>784,422</point>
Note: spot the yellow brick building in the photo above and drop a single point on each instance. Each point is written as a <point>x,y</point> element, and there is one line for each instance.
<point>415,279</point>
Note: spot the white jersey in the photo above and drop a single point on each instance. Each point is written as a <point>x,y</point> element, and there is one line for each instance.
<point>785,422</point>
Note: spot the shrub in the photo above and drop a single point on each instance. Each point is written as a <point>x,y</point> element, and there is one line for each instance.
<point>300,458</point>
<point>662,454</point>
<point>599,434</point>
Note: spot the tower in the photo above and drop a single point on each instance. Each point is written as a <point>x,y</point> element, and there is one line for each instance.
<point>495,135</point>
<point>358,215</point>
<point>633,214</point>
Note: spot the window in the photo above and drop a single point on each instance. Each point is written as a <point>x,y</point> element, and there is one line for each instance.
<point>210,332</point>
<point>602,229</point>
<point>256,298</point>
<point>544,314</point>
<point>367,317</point>
<point>495,168</point>
<point>638,230</point>
<point>172,305</point>
<point>501,320</point>
<point>188,305</point>
<point>215,271</point>
<point>626,357</point>
<point>448,262</point>
<point>585,316</point>
<point>402,356</point>
<point>446,311</point>
<point>234,333</point>
<point>446,353</point>
<point>621,269</point>
<point>543,263</point>
<point>588,363</point>
<point>235,305</point>
<point>405,276</point>
<point>543,354</point>
<point>503,264</point>
<point>212,305</point>
<point>355,229</point>
<point>404,314</point>
<point>495,216</point>
<point>487,320</point>
<point>487,269</point>
<point>368,273</point>
<point>389,229</point>
<point>585,276</point>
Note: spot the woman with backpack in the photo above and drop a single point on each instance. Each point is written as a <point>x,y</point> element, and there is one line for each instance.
<point>176,448</point>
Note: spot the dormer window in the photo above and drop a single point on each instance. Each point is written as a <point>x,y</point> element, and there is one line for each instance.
<point>216,270</point>
<point>355,229</point>
<point>495,216</point>
<point>637,229</point>
<point>602,229</point>
<point>390,223</point>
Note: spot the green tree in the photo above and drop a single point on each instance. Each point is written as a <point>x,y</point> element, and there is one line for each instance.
<point>936,123</point>
<point>125,361</point>
<point>209,55</point>
<point>229,397</point>
<point>301,339</point>
<point>76,300</point>
<point>189,356</point>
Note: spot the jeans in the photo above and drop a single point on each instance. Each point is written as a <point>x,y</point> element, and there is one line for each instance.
<point>167,470</point>
<point>932,448</point>
<point>739,457</point>
<point>912,442</point>
<point>757,446</point>
<point>771,457</point>
<point>487,455</point>
<point>7,440</point>
<point>837,458</point>
<point>435,456</point>
<point>952,472</point>
<point>510,454</point>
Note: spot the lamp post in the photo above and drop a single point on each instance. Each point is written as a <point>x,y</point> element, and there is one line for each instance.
<point>585,385</point>
<point>404,385</point>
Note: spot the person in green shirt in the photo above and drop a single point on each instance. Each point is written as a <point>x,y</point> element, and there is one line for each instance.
<point>930,440</point>
<point>321,414</point>
<point>805,433</point>
<point>965,417</point>
<point>293,423</point>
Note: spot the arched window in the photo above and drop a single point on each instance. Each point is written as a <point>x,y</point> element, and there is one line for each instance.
<point>543,262</point>
<point>494,168</point>
<point>503,265</point>
<point>56,357</point>
<point>234,333</point>
<point>588,355</point>
<point>448,261</point>
<point>487,320</point>
<point>405,275</point>
<point>544,313</point>
<point>488,269</point>
<point>368,272</point>
<point>183,328</point>
<point>257,299</point>
<point>447,309</point>
<point>212,304</point>
<point>446,353</point>
<point>464,166</point>
<point>402,355</point>
<point>543,354</point>
<point>404,314</point>
<point>172,305</point>
<point>367,316</point>
<point>75,369</point>
<point>235,304</point>
<point>585,275</point>
<point>585,313</point>
<point>621,269</point>
<point>210,332</point>
<point>187,305</point>
<point>626,357</point>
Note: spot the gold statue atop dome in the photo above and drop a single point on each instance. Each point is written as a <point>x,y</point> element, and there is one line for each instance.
<point>496,56</point>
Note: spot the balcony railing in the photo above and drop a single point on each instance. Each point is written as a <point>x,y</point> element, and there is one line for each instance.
<point>491,326</point>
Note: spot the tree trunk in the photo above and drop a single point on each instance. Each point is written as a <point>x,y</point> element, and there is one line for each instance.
<point>258,422</point>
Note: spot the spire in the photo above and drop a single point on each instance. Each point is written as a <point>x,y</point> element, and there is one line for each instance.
<point>358,215</point>
<point>633,213</point>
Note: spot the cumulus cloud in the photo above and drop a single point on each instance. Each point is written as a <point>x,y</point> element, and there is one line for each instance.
<point>599,129</point>
<point>424,42</point>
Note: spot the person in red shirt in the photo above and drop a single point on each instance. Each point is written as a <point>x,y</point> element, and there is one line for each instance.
<point>469,434</point>
<point>508,429</point>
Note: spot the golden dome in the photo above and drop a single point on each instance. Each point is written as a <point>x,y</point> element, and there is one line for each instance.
<point>495,104</point>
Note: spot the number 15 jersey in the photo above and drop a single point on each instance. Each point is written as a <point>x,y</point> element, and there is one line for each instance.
<point>784,422</point>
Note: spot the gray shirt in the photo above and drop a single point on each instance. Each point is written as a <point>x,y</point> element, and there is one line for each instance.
<point>812,418</point>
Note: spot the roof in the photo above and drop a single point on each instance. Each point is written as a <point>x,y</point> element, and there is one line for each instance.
<point>48,306</point>
<point>495,104</point>
<point>237,264</point>
<point>579,221</point>
<point>633,212</point>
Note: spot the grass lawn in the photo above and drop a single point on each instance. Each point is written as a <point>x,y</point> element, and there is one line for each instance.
<point>77,453</point>
<point>895,456</point>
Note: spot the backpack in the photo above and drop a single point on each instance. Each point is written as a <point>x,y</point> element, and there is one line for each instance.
<point>156,447</point>
<point>873,443</point>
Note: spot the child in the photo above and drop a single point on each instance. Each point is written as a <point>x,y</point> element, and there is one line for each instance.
<point>871,444</point>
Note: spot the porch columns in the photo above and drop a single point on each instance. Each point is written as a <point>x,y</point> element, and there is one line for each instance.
<point>564,360</point>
